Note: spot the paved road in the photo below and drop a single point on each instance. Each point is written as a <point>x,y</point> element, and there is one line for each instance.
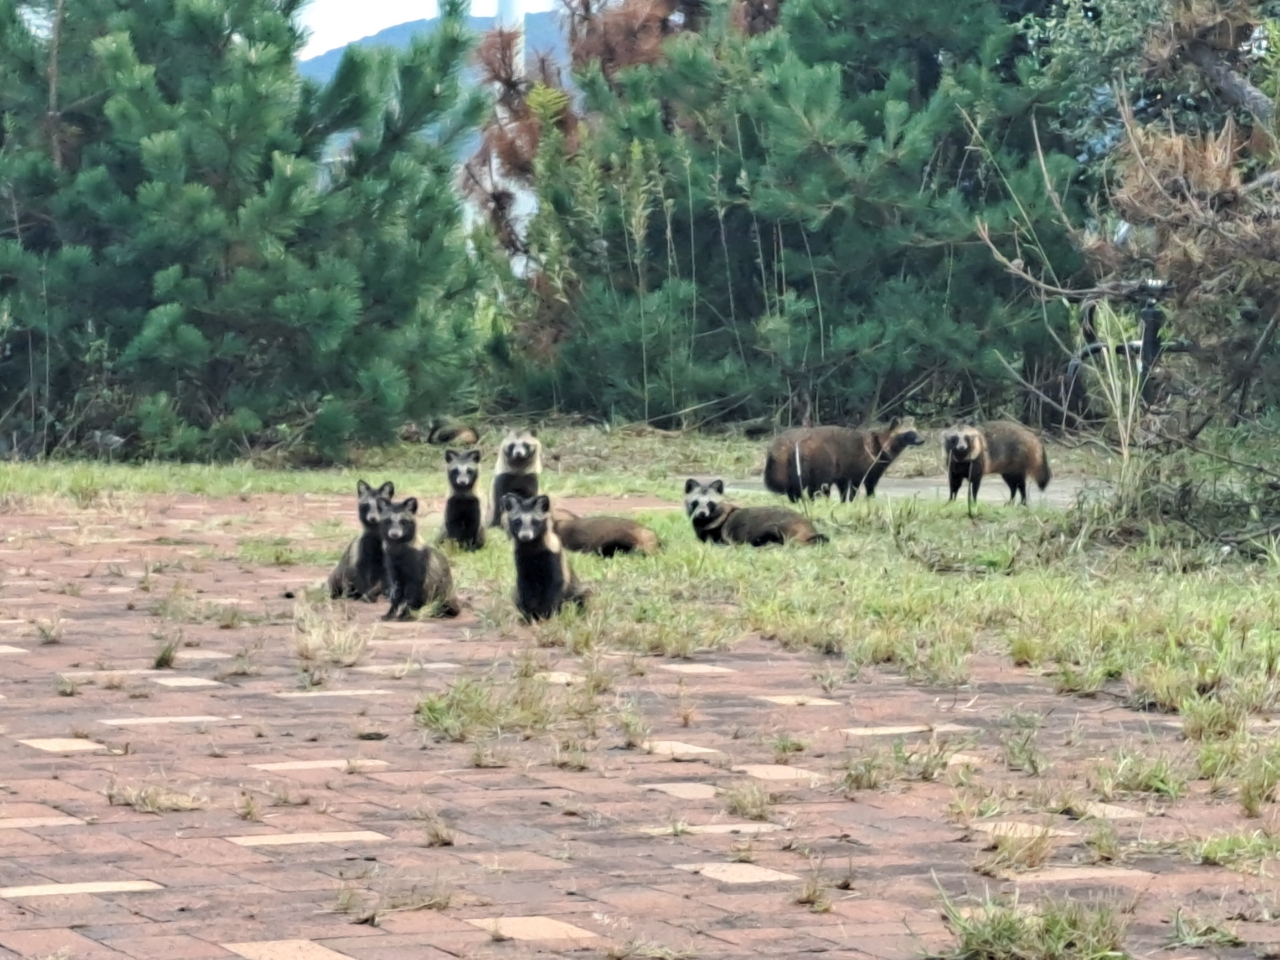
<point>1061,492</point>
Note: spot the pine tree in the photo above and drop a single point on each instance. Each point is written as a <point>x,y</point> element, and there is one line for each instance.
<point>203,252</point>
<point>784,219</point>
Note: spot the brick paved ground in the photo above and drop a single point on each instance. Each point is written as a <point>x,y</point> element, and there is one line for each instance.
<point>629,857</point>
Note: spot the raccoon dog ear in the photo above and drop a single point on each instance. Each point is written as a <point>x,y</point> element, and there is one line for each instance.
<point>450,456</point>
<point>690,485</point>
<point>388,489</point>
<point>363,489</point>
<point>411,505</point>
<point>717,486</point>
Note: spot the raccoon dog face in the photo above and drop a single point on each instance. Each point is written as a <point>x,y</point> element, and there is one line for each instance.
<point>398,522</point>
<point>905,431</point>
<point>527,520</point>
<point>960,443</point>
<point>367,505</point>
<point>702,500</point>
<point>520,449</point>
<point>463,468</point>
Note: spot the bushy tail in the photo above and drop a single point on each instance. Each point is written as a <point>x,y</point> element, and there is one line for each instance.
<point>1042,474</point>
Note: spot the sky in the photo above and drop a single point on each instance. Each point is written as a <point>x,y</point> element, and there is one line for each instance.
<point>335,23</point>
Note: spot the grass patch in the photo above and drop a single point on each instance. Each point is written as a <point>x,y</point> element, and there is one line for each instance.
<point>323,634</point>
<point>1049,930</point>
<point>481,708</point>
<point>153,798</point>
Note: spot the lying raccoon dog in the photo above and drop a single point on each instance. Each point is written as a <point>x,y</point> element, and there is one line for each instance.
<point>604,535</point>
<point>517,469</point>
<point>463,520</point>
<point>717,520</point>
<point>360,572</point>
<point>417,575</point>
<point>1002,447</point>
<point>813,459</point>
<point>545,581</point>
<point>443,431</point>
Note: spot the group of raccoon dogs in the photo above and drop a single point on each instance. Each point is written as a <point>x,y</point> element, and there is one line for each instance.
<point>390,559</point>
<point>813,460</point>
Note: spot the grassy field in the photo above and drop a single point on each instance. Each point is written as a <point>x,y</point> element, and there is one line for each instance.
<point>913,583</point>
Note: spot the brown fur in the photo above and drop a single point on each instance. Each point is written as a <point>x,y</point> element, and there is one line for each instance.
<point>459,433</point>
<point>810,459</point>
<point>604,535</point>
<point>1001,446</point>
<point>718,521</point>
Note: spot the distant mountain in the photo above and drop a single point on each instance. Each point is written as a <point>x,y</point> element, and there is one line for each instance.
<point>542,33</point>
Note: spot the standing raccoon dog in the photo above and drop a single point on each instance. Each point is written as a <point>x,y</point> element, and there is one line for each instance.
<point>808,459</point>
<point>604,535</point>
<point>1002,447</point>
<point>544,579</point>
<point>360,572</point>
<point>463,519</point>
<point>417,575</point>
<point>719,521</point>
<point>517,469</point>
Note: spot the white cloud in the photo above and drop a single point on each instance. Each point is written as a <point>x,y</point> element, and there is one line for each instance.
<point>335,23</point>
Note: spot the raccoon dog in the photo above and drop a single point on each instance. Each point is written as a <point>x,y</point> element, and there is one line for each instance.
<point>605,535</point>
<point>544,579</point>
<point>717,520</point>
<point>1002,447</point>
<point>417,575</point>
<point>813,458</point>
<point>463,520</point>
<point>517,469</point>
<point>443,431</point>
<point>360,572</point>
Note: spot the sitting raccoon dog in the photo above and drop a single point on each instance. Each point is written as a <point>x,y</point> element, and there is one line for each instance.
<point>1002,447</point>
<point>360,572</point>
<point>606,536</point>
<point>517,469</point>
<point>463,519</point>
<point>813,458</point>
<point>719,521</point>
<point>544,579</point>
<point>417,575</point>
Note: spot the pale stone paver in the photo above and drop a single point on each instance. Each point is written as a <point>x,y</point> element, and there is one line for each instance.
<point>293,839</point>
<point>357,762</point>
<point>1104,875</point>
<point>683,791</point>
<point>780,773</point>
<point>736,872</point>
<point>148,721</point>
<point>284,950</point>
<point>1112,811</point>
<point>22,823</point>
<point>711,829</point>
<point>63,744</point>
<point>183,682</point>
<point>6,648</point>
<point>677,750</point>
<point>695,668</point>
<point>67,889</point>
<point>1018,829</point>
<point>799,700</point>
<point>559,677</point>
<point>307,694</point>
<point>533,928</point>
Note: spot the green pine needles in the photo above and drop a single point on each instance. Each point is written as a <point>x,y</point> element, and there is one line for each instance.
<point>204,254</point>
